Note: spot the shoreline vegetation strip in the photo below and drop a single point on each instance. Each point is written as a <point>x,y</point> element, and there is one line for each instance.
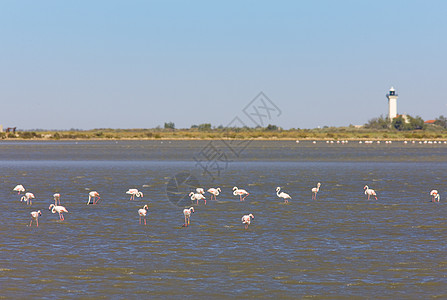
<point>334,134</point>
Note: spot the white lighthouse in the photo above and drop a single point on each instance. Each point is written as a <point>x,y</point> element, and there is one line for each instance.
<point>392,103</point>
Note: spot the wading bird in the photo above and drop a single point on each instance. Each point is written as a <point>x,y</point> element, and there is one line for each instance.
<point>200,190</point>
<point>369,192</point>
<point>27,198</point>
<point>435,196</point>
<point>57,197</point>
<point>214,192</point>
<point>59,209</point>
<point>35,216</point>
<point>187,213</point>
<point>143,212</point>
<point>19,188</point>
<point>247,219</point>
<point>197,197</point>
<point>315,190</point>
<point>240,192</point>
<point>283,195</point>
<point>133,193</point>
<point>94,195</point>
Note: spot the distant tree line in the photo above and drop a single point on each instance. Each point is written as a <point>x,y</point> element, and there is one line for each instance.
<point>378,123</point>
<point>414,123</point>
<point>399,123</point>
<point>208,127</point>
<point>441,121</point>
<point>169,125</point>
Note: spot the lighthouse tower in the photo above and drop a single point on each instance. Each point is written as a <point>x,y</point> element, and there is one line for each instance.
<point>392,103</point>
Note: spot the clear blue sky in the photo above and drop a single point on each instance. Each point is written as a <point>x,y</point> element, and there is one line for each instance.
<point>138,64</point>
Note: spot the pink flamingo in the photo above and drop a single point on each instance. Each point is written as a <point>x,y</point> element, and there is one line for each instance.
<point>143,212</point>
<point>57,197</point>
<point>240,192</point>
<point>133,193</point>
<point>247,219</point>
<point>187,213</point>
<point>370,192</point>
<point>94,195</point>
<point>214,192</point>
<point>27,198</point>
<point>197,197</point>
<point>200,190</point>
<point>59,209</point>
<point>315,190</point>
<point>283,195</point>
<point>435,196</point>
<point>19,188</point>
<point>35,216</point>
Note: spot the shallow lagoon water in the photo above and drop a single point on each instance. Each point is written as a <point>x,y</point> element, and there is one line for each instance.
<point>339,246</point>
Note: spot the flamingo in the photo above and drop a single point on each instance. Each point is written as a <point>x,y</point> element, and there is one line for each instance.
<point>57,197</point>
<point>200,190</point>
<point>214,192</point>
<point>59,209</point>
<point>35,216</point>
<point>197,197</point>
<point>133,193</point>
<point>370,192</point>
<point>247,219</point>
<point>187,213</point>
<point>27,198</point>
<point>435,196</point>
<point>283,195</point>
<point>315,190</point>
<point>240,192</point>
<point>143,212</point>
<point>19,188</point>
<point>93,195</point>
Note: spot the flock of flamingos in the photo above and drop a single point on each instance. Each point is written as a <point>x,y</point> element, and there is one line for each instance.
<point>199,194</point>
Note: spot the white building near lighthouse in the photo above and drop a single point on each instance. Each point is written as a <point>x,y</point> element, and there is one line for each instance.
<point>392,103</point>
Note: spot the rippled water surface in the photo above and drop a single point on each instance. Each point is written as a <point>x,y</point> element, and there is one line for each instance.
<point>338,246</point>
